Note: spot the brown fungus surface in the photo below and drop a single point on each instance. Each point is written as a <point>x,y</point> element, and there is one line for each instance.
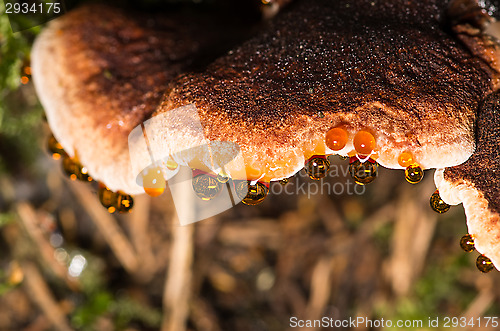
<point>100,71</point>
<point>482,170</point>
<point>393,67</point>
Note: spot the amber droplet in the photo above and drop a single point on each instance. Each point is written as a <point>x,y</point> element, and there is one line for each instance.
<point>251,194</point>
<point>75,170</point>
<point>222,177</point>
<point>414,174</point>
<point>405,159</point>
<point>467,243</point>
<point>153,181</point>
<point>115,201</point>
<point>171,164</point>
<point>336,139</point>
<point>55,148</point>
<point>107,198</point>
<point>206,187</point>
<point>484,264</point>
<point>363,172</point>
<point>284,181</point>
<point>125,203</point>
<point>437,204</point>
<point>364,143</point>
<point>317,167</point>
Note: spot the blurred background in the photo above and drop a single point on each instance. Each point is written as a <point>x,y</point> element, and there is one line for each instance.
<point>377,251</point>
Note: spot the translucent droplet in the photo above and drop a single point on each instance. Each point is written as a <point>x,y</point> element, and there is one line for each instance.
<point>284,181</point>
<point>336,139</point>
<point>222,177</point>
<point>405,159</point>
<point>153,181</point>
<point>437,204</point>
<point>206,187</point>
<point>115,201</point>
<point>484,264</point>
<point>414,174</point>
<point>108,198</point>
<point>467,243</point>
<point>363,172</point>
<point>251,194</point>
<point>364,143</point>
<point>55,148</point>
<point>75,170</point>
<point>125,203</point>
<point>317,167</point>
<point>171,164</point>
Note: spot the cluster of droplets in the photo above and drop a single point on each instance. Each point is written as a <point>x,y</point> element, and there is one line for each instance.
<point>413,171</point>
<point>115,201</point>
<point>112,201</point>
<point>483,263</point>
<point>208,186</point>
<point>362,167</point>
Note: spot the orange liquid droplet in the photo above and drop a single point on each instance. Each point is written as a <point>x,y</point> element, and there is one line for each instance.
<point>251,194</point>
<point>153,181</point>
<point>154,192</point>
<point>55,148</point>
<point>171,164</point>
<point>414,174</point>
<point>364,143</point>
<point>405,159</point>
<point>336,139</point>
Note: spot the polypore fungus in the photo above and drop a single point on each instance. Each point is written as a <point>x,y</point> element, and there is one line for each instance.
<point>407,85</point>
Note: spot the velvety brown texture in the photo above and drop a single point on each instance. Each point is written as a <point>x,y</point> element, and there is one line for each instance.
<point>134,56</point>
<point>483,168</point>
<point>331,57</point>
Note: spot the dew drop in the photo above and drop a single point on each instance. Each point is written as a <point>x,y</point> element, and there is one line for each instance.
<point>484,264</point>
<point>206,187</point>
<point>336,139</point>
<point>74,170</point>
<point>171,164</point>
<point>364,142</point>
<point>414,174</point>
<point>437,204</point>
<point>405,159</point>
<point>125,203</point>
<point>251,194</point>
<point>363,172</point>
<point>55,148</point>
<point>222,177</point>
<point>317,167</point>
<point>115,201</point>
<point>153,181</point>
<point>467,243</point>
